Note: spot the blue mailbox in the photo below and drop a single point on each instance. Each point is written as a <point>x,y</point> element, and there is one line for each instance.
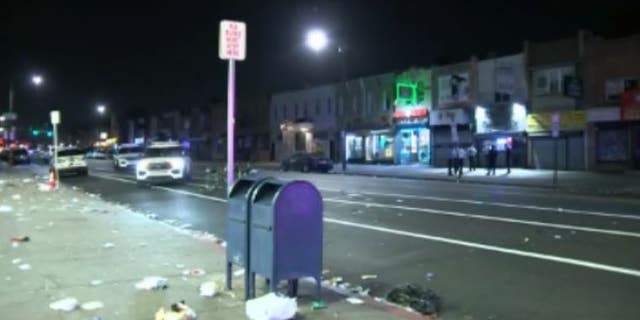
<point>286,233</point>
<point>237,228</point>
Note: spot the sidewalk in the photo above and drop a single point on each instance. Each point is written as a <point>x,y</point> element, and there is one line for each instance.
<point>581,182</point>
<point>83,247</point>
<point>624,184</point>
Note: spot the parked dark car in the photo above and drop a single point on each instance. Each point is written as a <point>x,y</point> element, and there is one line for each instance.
<point>306,162</point>
<point>16,156</point>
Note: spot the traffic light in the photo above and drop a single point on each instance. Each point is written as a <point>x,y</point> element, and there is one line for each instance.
<point>35,133</point>
<point>49,134</point>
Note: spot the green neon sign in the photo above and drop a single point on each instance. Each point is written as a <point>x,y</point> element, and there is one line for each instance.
<point>406,93</point>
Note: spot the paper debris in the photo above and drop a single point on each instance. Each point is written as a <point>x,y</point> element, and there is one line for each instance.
<point>43,187</point>
<point>4,208</point>
<point>526,239</point>
<point>399,200</point>
<point>238,273</point>
<point>354,300</point>
<point>92,305</point>
<point>16,261</point>
<point>27,180</point>
<point>16,197</point>
<point>108,245</point>
<point>178,311</point>
<point>271,307</point>
<point>152,283</point>
<point>369,276</point>
<point>24,267</point>
<point>198,272</point>
<point>557,237</point>
<point>66,304</point>
<point>208,289</point>
<point>179,266</point>
<point>95,282</point>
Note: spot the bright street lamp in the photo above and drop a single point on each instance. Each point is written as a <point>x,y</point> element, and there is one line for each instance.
<point>101,109</point>
<point>37,80</point>
<point>317,40</point>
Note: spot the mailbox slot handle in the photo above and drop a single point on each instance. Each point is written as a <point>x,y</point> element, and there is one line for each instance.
<point>263,226</point>
<point>236,219</point>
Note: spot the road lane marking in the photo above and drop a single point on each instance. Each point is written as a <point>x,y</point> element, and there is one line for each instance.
<point>184,192</point>
<point>497,204</point>
<point>490,218</point>
<point>486,247</point>
<point>451,241</point>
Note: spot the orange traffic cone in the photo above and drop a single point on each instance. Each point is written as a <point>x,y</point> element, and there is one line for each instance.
<point>52,178</point>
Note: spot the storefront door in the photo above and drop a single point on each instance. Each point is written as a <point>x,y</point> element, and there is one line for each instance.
<point>413,145</point>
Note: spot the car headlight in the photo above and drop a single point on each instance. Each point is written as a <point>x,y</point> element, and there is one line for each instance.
<point>177,163</point>
<point>141,166</point>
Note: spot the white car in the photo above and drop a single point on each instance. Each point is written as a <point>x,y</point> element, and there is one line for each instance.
<point>163,162</point>
<point>71,160</point>
<point>127,157</point>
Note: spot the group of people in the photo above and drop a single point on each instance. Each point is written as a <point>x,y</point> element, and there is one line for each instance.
<point>458,154</point>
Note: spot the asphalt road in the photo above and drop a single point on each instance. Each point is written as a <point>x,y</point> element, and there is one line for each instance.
<point>493,252</point>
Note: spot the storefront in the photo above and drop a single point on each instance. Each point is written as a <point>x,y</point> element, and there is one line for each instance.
<point>412,135</point>
<point>449,128</point>
<point>370,146</point>
<point>502,125</point>
<point>570,141</point>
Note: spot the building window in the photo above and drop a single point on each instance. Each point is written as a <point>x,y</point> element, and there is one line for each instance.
<point>550,81</point>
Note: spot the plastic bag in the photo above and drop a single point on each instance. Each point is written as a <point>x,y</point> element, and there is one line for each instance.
<point>271,307</point>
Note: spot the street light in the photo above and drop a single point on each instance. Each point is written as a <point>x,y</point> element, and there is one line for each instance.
<point>101,108</point>
<point>317,40</point>
<point>37,80</point>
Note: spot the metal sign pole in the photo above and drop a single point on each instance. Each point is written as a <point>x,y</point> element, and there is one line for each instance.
<point>231,88</point>
<point>55,154</point>
<point>555,162</point>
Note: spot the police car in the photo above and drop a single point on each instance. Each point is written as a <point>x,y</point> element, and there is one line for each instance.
<point>163,162</point>
<point>71,160</point>
<point>127,156</point>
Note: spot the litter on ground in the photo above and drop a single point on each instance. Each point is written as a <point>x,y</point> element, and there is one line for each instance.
<point>178,311</point>
<point>4,208</point>
<point>24,267</point>
<point>271,307</point>
<point>66,304</point>
<point>108,245</point>
<point>369,276</point>
<point>413,296</point>
<point>95,282</point>
<point>152,283</point>
<point>208,289</point>
<point>92,305</point>
<point>354,300</point>
<point>16,197</point>
<point>16,261</point>
<point>238,273</point>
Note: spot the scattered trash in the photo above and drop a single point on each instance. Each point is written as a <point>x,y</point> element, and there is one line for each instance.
<point>238,273</point>
<point>399,200</point>
<point>369,276</point>
<point>354,300</point>
<point>326,271</point>
<point>75,200</point>
<point>8,278</point>
<point>15,244</point>
<point>360,291</point>
<point>50,224</point>
<point>20,239</point>
<point>24,267</point>
<point>208,289</point>
<point>108,245</point>
<point>430,276</point>
<point>66,304</point>
<point>426,302</point>
<point>95,282</point>
<point>336,280</point>
<point>271,307</point>
<point>557,237</point>
<point>26,180</point>
<point>92,305</point>
<point>16,197</point>
<point>43,187</point>
<point>5,208</point>
<point>142,244</point>
<point>179,311</point>
<point>152,283</point>
<point>179,266</point>
<point>197,272</point>
<point>16,261</point>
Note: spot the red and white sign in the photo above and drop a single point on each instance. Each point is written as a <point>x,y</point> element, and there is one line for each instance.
<point>411,113</point>
<point>233,40</point>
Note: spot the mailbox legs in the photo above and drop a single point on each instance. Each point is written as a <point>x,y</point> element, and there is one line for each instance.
<point>292,288</point>
<point>229,269</point>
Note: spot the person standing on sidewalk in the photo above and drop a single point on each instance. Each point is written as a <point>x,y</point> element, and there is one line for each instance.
<point>492,156</point>
<point>460,155</point>
<point>452,159</point>
<point>507,149</point>
<point>472,153</point>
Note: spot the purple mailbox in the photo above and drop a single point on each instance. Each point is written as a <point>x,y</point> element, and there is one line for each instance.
<point>286,233</point>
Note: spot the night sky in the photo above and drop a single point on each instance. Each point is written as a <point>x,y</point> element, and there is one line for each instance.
<point>163,55</point>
